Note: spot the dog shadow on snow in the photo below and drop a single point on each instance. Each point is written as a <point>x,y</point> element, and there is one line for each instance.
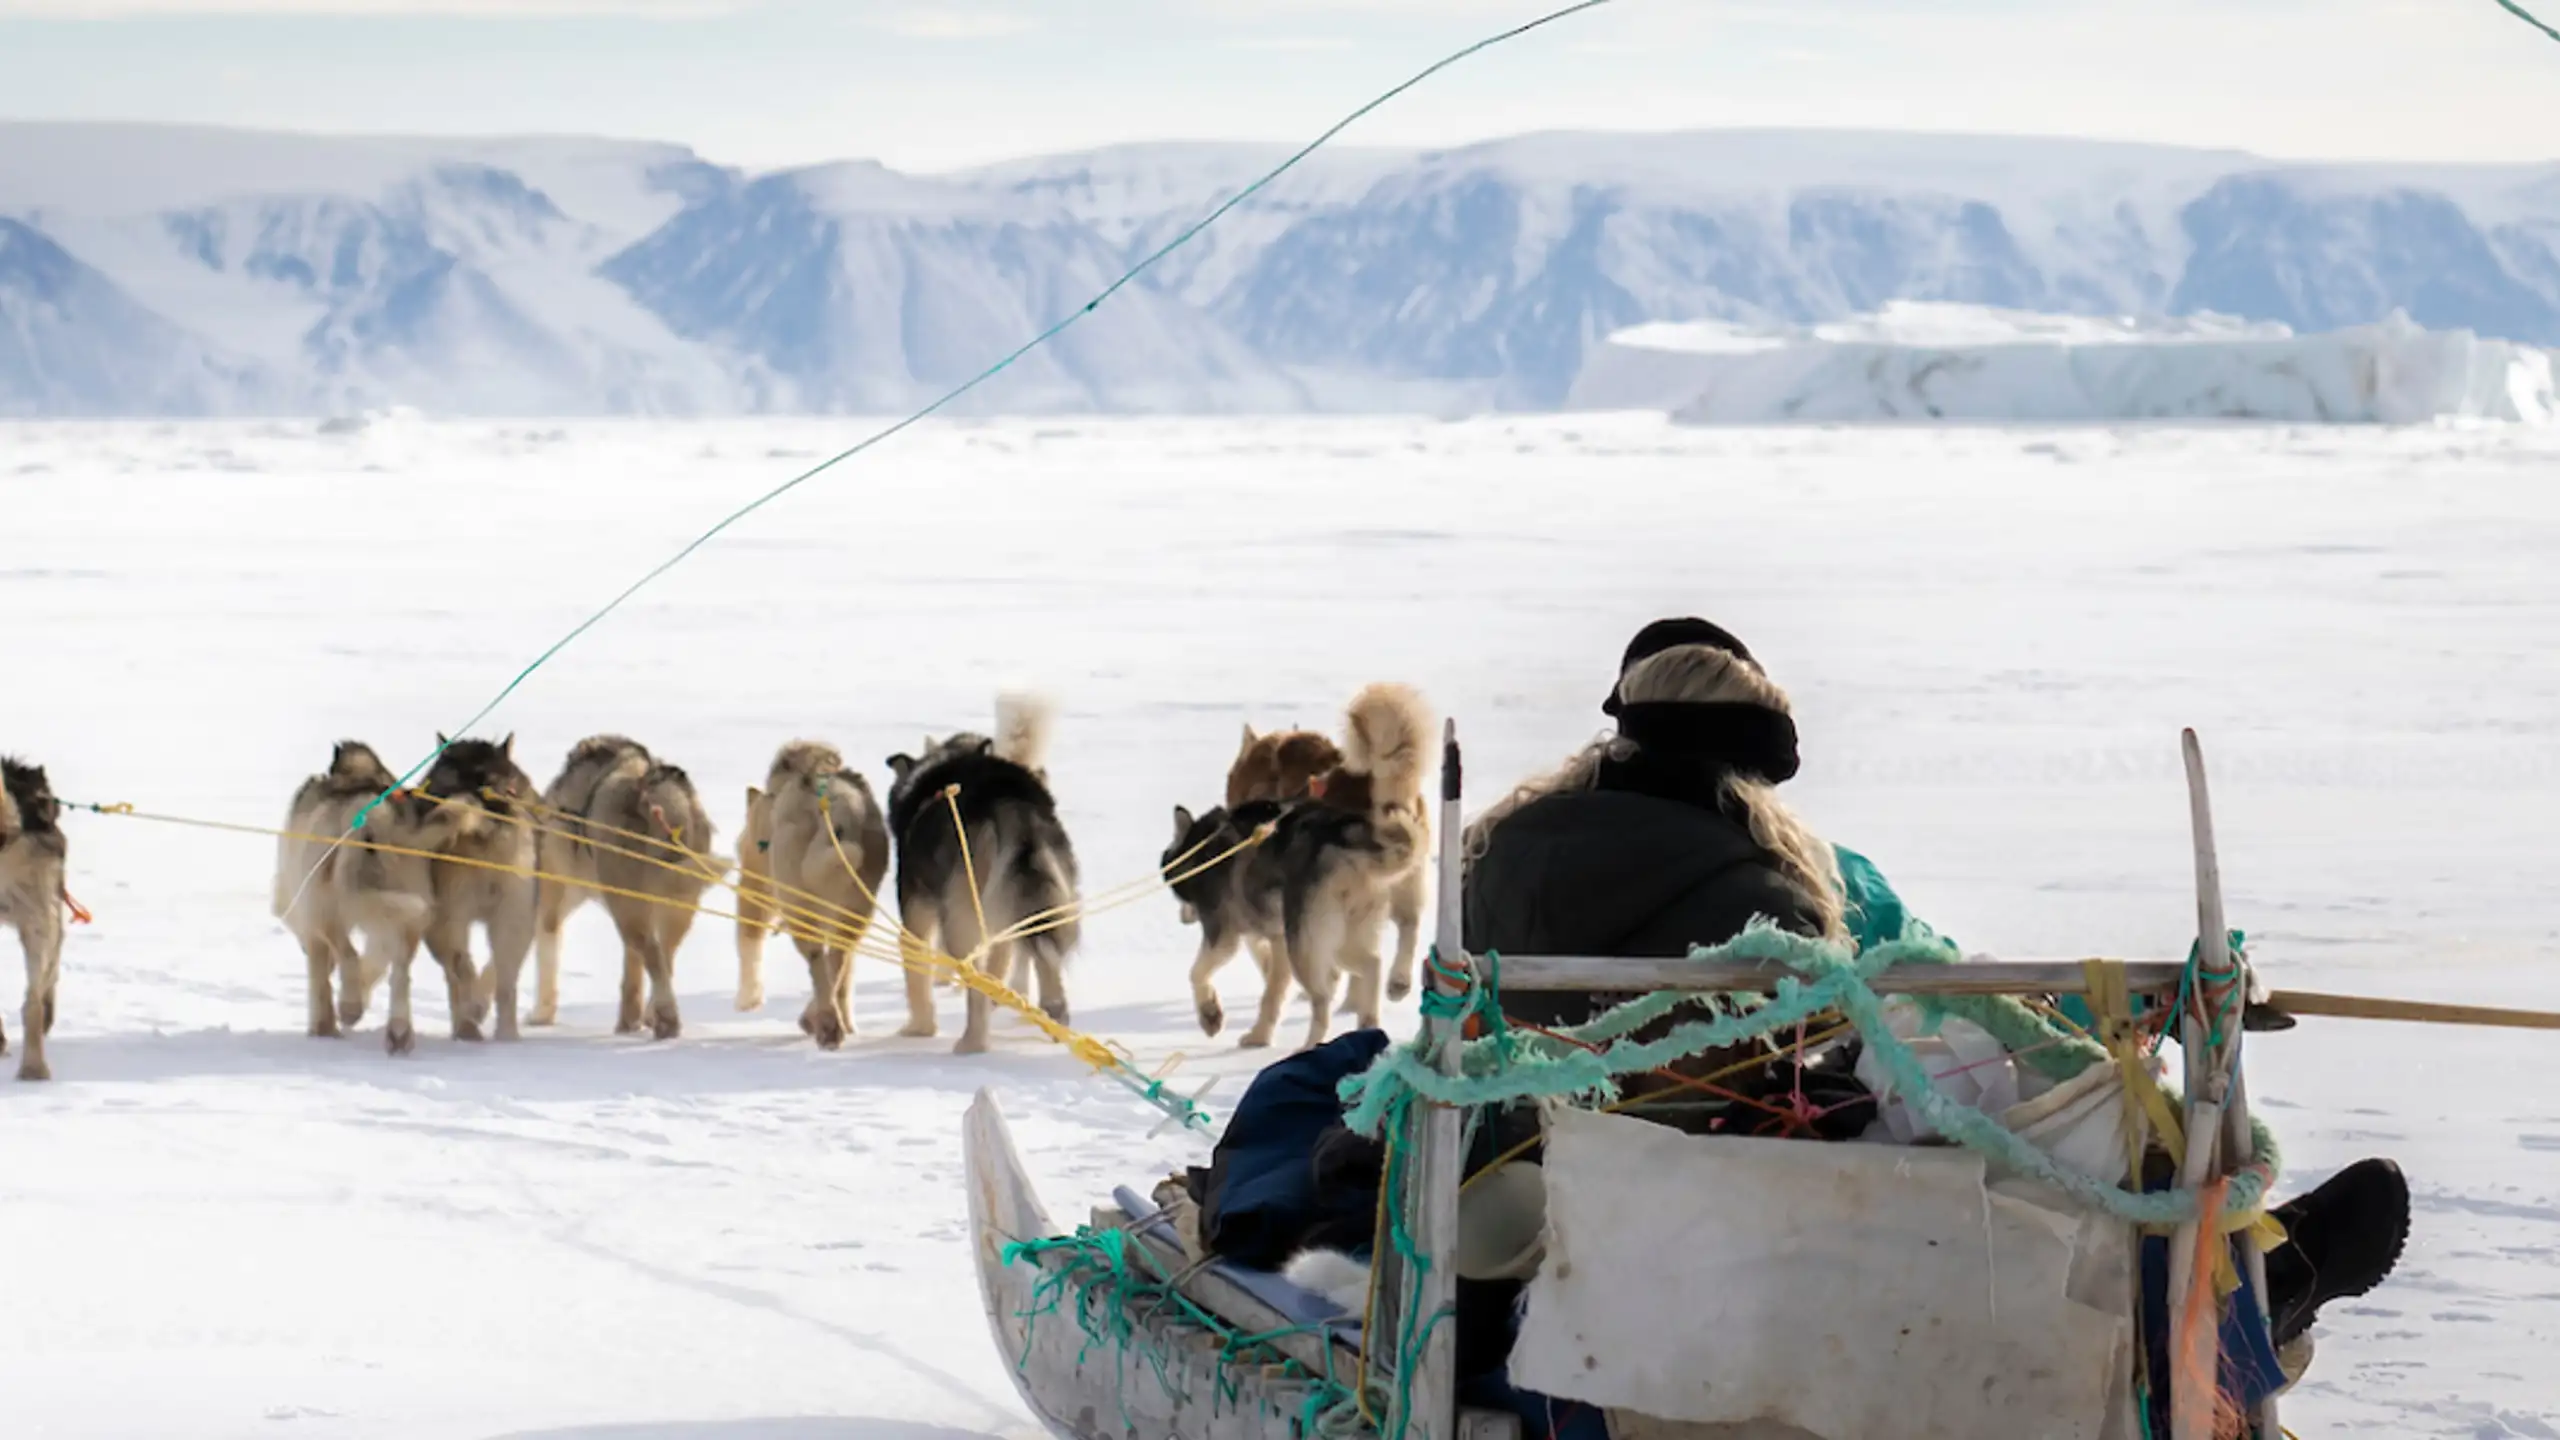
<point>810,1427</point>
<point>721,1051</point>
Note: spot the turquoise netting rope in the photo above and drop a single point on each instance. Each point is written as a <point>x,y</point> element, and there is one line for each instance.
<point>1506,1066</point>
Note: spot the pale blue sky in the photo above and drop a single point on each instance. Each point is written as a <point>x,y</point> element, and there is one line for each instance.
<point>926,83</point>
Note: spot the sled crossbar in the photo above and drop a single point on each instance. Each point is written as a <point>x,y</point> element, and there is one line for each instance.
<point>1984,977</point>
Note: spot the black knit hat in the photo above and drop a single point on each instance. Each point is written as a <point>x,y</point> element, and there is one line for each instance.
<point>1664,635</point>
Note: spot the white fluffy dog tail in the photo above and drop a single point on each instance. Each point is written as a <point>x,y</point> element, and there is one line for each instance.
<point>1023,724</point>
<point>1387,735</point>
<point>1333,1275</point>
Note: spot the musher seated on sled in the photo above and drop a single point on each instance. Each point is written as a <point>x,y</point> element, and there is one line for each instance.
<point>1664,836</point>
<point>1669,834</point>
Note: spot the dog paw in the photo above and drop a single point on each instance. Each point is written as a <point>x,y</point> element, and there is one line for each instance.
<point>828,1030</point>
<point>626,1025</point>
<point>1255,1040</point>
<point>970,1045</point>
<point>30,1068</point>
<point>750,999</point>
<point>544,1015</point>
<point>399,1038</point>
<point>1055,1010</point>
<point>467,1028</point>
<point>1399,986</point>
<point>919,1029</point>
<point>665,1025</point>
<point>324,1027</point>
<point>1213,1016</point>
<point>350,1015</point>
<point>508,1034</point>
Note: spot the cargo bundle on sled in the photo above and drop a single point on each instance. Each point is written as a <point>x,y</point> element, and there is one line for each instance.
<point>2010,1274</point>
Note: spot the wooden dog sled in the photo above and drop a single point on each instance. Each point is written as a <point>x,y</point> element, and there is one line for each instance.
<point>1116,1332</point>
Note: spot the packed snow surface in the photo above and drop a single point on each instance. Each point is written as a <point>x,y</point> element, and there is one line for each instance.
<point>1923,362</point>
<point>217,1227</point>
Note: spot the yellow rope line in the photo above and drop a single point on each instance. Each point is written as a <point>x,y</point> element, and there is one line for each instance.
<point>1059,916</point>
<point>818,925</point>
<point>899,947</point>
<point>951,798</point>
<point>467,861</point>
<point>1100,1054</point>
<point>830,919</point>
<point>702,863</point>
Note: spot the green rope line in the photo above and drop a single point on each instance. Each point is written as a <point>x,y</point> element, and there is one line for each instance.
<point>1185,237</point>
<point>1108,1291</point>
<point>2518,11</point>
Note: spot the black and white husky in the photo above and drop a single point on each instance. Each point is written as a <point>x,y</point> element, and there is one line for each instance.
<point>1017,853</point>
<point>1310,897</point>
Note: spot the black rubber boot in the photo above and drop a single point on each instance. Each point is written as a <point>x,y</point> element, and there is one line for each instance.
<point>2342,1240</point>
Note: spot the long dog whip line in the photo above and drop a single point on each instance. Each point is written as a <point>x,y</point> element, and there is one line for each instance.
<point>1149,262</point>
<point>2527,16</point>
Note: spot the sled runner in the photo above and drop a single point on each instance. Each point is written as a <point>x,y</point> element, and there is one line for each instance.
<point>1719,1286</point>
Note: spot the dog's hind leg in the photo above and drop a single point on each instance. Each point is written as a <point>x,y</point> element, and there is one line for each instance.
<point>553,905</point>
<point>1217,947</point>
<point>1405,904</point>
<point>1313,940</point>
<point>961,937</point>
<point>1048,962</point>
<point>659,960</point>
<point>40,937</point>
<point>823,1020</point>
<point>451,947</point>
<point>844,989</point>
<point>916,950</point>
<point>359,971</point>
<point>635,970</point>
<point>511,934</point>
<point>322,955</point>
<point>399,1035</point>
<point>1274,965</point>
<point>851,945</point>
<point>1360,962</point>
<point>756,914</point>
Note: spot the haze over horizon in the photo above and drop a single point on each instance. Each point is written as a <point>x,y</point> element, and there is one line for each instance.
<point>769,84</point>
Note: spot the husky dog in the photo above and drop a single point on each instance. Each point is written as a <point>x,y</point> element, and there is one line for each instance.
<point>333,885</point>
<point>1015,849</point>
<point>811,860</point>
<point>32,856</point>
<point>1239,901</point>
<point>478,794</point>
<point>1309,898</point>
<point>1292,764</point>
<point>1280,766</point>
<point>1386,760</point>
<point>621,819</point>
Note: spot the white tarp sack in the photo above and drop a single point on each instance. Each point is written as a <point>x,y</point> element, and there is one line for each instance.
<point>1845,1292</point>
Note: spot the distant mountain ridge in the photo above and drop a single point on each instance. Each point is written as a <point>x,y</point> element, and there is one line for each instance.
<point>188,271</point>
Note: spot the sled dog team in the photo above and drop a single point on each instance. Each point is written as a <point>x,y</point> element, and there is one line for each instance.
<point>1319,846</point>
